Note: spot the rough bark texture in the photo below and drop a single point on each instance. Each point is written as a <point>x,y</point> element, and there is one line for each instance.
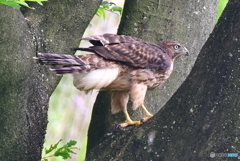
<point>25,87</point>
<point>201,117</point>
<point>189,22</point>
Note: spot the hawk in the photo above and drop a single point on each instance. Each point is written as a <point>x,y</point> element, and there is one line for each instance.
<point>125,65</point>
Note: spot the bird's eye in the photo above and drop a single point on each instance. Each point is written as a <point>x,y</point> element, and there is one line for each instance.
<point>176,47</point>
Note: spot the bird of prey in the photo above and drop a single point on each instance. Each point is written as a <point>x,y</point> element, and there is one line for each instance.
<point>125,65</point>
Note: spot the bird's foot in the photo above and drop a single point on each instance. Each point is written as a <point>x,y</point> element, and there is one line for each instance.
<point>145,119</point>
<point>129,122</point>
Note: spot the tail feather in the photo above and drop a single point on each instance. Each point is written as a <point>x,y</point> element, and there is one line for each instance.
<point>72,69</point>
<point>73,64</point>
<point>58,59</point>
<point>60,56</point>
<point>54,61</point>
<point>64,64</point>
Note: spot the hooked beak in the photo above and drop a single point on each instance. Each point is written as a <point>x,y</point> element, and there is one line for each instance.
<point>186,51</point>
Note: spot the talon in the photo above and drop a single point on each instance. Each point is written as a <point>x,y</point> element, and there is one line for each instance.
<point>118,126</point>
<point>129,122</point>
<point>145,119</point>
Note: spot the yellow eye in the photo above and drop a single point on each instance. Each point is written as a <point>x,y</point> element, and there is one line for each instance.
<point>176,47</point>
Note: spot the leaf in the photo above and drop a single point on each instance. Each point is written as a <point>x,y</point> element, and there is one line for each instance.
<point>71,143</point>
<point>111,4</point>
<point>11,4</point>
<point>19,3</point>
<point>63,154</point>
<point>52,147</point>
<point>105,3</point>
<point>66,149</point>
<point>22,3</point>
<point>105,7</point>
<point>101,12</point>
<point>38,1</point>
<point>116,8</point>
<point>63,151</point>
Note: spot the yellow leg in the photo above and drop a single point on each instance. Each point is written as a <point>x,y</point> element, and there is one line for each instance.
<point>128,120</point>
<point>147,113</point>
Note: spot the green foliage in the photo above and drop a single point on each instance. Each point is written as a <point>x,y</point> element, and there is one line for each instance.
<point>19,3</point>
<point>64,151</point>
<point>221,5</point>
<point>108,6</point>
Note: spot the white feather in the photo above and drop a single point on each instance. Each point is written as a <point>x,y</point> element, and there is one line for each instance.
<point>96,79</point>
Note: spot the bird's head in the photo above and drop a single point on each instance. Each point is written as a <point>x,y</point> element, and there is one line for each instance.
<point>174,49</point>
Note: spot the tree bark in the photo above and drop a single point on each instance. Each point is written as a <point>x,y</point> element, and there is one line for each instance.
<point>158,21</point>
<point>201,118</point>
<point>25,87</point>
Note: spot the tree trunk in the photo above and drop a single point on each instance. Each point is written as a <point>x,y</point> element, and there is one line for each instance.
<point>25,87</point>
<point>201,118</point>
<point>158,21</point>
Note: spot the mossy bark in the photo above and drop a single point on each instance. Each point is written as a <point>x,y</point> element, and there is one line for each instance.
<point>201,118</point>
<point>189,22</point>
<point>25,87</point>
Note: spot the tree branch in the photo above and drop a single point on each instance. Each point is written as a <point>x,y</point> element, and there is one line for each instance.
<point>201,117</point>
<point>156,21</point>
<point>25,85</point>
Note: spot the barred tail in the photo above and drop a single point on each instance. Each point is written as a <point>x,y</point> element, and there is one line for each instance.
<point>64,64</point>
<point>72,69</point>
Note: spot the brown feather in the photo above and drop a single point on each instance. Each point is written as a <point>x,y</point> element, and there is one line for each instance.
<point>138,93</point>
<point>119,100</point>
<point>128,50</point>
<point>121,64</point>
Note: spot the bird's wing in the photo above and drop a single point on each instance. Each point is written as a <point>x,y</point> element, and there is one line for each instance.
<point>128,50</point>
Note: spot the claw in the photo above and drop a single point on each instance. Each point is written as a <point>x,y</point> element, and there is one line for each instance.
<point>145,119</point>
<point>129,122</point>
<point>148,114</point>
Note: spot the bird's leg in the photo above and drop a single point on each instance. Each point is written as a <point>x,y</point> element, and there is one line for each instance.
<point>138,93</point>
<point>147,113</point>
<point>128,120</point>
<point>119,102</point>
